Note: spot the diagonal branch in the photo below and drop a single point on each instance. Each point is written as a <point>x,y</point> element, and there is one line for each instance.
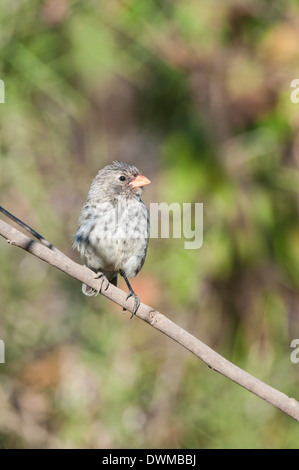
<point>214,360</point>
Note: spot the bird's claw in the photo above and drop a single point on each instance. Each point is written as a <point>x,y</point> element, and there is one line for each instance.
<point>136,303</point>
<point>103,279</point>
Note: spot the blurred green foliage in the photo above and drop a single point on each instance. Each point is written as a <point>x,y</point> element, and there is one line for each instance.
<point>196,95</point>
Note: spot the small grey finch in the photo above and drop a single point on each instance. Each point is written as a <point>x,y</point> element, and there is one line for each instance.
<point>113,228</point>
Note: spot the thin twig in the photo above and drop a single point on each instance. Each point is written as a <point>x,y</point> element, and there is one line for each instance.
<point>214,360</point>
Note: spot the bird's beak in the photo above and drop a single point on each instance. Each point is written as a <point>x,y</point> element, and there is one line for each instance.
<point>138,181</point>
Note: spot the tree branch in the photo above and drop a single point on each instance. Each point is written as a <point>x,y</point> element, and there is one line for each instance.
<point>214,360</point>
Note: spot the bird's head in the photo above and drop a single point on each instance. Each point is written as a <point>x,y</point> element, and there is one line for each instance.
<point>120,178</point>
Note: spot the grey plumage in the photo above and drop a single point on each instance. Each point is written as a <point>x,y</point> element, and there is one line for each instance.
<point>113,227</point>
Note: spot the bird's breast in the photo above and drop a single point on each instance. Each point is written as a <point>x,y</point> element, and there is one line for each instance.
<point>119,236</point>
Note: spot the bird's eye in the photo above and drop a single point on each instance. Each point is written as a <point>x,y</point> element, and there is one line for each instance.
<point>122,178</point>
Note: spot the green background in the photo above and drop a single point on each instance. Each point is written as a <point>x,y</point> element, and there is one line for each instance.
<point>197,95</point>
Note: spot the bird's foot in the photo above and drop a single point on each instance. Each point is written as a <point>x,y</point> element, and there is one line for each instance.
<point>136,302</point>
<point>87,290</point>
<point>103,279</point>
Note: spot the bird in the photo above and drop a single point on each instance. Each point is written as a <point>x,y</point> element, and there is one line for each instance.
<point>114,227</point>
